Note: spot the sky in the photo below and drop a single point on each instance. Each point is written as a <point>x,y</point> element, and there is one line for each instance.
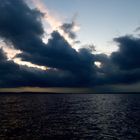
<point>99,20</point>
<point>89,43</point>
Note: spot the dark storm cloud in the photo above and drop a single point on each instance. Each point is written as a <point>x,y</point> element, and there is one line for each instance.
<point>128,55</point>
<point>13,75</point>
<point>17,19</point>
<point>123,66</point>
<point>20,25</point>
<point>59,54</point>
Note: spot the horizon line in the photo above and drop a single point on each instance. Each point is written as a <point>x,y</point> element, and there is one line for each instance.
<point>48,90</point>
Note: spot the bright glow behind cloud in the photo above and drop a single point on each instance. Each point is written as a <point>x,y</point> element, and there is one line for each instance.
<point>11,55</point>
<point>29,64</point>
<point>54,23</point>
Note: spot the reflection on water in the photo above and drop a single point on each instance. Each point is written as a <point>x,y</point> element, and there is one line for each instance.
<point>84,117</point>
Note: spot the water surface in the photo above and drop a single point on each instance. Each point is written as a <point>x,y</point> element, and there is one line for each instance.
<point>70,116</point>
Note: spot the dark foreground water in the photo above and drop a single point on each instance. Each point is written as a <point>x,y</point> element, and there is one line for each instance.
<point>74,117</point>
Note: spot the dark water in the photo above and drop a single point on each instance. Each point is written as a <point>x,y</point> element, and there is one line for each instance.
<point>75,117</point>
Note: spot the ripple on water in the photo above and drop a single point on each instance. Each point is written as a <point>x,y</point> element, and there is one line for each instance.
<point>85,116</point>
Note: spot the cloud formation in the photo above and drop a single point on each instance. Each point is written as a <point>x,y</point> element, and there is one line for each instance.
<point>57,54</point>
<point>22,27</point>
<point>14,75</point>
<point>123,66</point>
<point>129,52</point>
<point>69,29</point>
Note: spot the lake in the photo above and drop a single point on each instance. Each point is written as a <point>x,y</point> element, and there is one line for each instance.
<point>69,116</point>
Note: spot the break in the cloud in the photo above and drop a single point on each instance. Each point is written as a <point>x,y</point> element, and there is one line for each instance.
<point>56,24</point>
<point>66,66</point>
